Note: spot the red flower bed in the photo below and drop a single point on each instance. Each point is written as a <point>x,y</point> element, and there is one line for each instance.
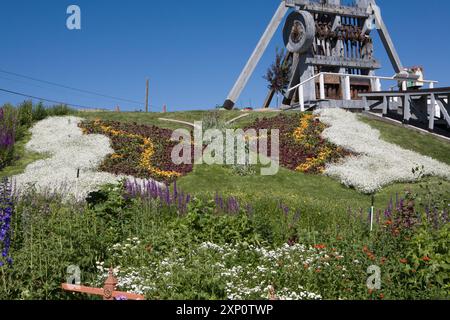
<point>141,151</point>
<point>301,146</point>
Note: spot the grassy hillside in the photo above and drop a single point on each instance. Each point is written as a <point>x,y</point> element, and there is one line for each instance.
<point>412,140</point>
<point>311,192</point>
<point>189,116</point>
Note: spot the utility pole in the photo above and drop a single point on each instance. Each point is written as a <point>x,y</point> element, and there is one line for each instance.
<point>146,96</point>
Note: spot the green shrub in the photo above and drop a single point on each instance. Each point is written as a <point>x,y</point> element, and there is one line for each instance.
<point>39,112</point>
<point>25,110</point>
<point>60,110</point>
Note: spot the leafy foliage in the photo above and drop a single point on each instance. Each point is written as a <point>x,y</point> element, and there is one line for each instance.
<point>278,73</point>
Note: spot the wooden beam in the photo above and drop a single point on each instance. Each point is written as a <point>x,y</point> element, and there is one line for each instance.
<point>406,108</point>
<point>385,105</point>
<point>432,112</point>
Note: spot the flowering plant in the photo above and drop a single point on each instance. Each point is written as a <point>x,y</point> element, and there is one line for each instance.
<point>301,146</point>
<point>6,212</point>
<point>8,124</point>
<point>139,150</point>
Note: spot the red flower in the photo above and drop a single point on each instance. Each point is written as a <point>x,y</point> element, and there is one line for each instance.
<point>426,259</point>
<point>320,246</point>
<point>404,261</point>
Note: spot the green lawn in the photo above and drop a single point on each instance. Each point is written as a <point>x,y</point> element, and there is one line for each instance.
<point>412,140</point>
<point>309,192</point>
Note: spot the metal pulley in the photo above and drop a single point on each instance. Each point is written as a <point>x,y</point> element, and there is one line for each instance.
<point>299,32</point>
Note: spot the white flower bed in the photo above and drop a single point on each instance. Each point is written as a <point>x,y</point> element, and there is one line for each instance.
<point>246,278</point>
<point>68,150</point>
<point>379,163</point>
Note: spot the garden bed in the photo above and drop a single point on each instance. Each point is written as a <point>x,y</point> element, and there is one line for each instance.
<point>139,150</point>
<point>302,147</point>
<point>378,162</point>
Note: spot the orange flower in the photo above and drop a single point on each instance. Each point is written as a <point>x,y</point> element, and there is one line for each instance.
<point>388,223</point>
<point>370,291</point>
<point>383,260</point>
<point>318,270</point>
<point>381,296</point>
<point>426,259</point>
<point>320,246</point>
<point>404,261</point>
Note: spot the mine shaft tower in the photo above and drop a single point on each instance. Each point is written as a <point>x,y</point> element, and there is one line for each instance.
<point>325,36</point>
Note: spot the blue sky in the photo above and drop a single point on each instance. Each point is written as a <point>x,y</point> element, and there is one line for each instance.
<point>192,51</point>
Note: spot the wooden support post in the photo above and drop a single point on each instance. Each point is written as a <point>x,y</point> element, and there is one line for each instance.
<point>322,86</point>
<point>366,104</point>
<point>406,108</point>
<point>404,86</point>
<point>301,98</point>
<point>146,95</point>
<point>377,84</point>
<point>347,92</point>
<point>432,112</point>
<point>385,105</point>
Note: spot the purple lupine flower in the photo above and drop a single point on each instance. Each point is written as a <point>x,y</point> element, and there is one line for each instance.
<point>167,198</point>
<point>6,213</point>
<point>286,210</point>
<point>233,206</point>
<point>175,191</point>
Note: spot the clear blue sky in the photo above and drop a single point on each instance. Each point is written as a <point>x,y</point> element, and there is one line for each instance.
<point>192,51</point>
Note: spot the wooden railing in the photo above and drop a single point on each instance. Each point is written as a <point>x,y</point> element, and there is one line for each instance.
<point>376,84</point>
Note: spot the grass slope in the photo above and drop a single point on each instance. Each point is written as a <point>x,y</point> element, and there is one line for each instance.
<point>320,194</point>
<point>309,192</point>
<point>189,116</point>
<point>422,143</point>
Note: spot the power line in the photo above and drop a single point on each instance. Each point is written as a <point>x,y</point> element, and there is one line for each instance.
<point>70,88</point>
<point>47,100</point>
